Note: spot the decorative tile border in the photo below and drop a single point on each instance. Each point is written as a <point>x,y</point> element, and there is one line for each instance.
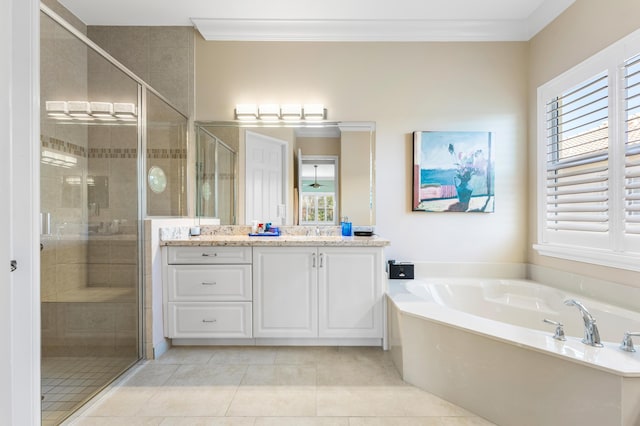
<point>221,176</point>
<point>169,154</point>
<point>62,146</point>
<point>113,153</point>
<point>110,153</point>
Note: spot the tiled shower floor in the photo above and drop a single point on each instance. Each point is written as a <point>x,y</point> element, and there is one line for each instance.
<point>67,382</point>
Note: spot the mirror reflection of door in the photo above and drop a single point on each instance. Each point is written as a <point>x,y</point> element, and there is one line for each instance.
<point>318,190</point>
<point>265,179</point>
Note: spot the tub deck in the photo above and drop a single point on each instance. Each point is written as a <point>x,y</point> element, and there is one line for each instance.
<point>510,374</point>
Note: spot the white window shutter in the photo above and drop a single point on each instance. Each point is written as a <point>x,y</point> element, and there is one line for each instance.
<point>577,168</point>
<point>632,146</point>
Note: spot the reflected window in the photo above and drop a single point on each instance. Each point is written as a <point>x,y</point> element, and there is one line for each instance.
<point>318,190</point>
<point>318,209</point>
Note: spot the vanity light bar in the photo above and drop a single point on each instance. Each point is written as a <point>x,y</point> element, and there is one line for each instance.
<point>314,112</point>
<point>83,110</point>
<point>57,108</point>
<point>274,112</point>
<point>58,159</point>
<point>291,112</point>
<point>246,112</point>
<point>124,110</point>
<point>269,112</point>
<point>79,109</point>
<point>101,109</point>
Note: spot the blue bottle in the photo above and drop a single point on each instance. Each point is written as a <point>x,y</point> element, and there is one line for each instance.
<point>346,227</point>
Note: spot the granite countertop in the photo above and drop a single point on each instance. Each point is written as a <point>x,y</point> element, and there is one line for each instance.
<point>238,236</point>
<point>280,241</point>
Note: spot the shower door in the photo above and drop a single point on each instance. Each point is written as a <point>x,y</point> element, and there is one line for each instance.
<point>90,281</point>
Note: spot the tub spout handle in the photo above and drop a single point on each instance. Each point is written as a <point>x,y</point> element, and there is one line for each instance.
<point>591,333</point>
<point>627,341</point>
<point>559,334</point>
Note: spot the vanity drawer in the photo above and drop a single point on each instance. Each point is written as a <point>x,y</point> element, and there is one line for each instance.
<point>210,320</point>
<point>209,283</point>
<point>208,255</point>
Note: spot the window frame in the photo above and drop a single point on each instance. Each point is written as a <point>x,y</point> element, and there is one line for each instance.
<point>316,196</point>
<point>613,248</point>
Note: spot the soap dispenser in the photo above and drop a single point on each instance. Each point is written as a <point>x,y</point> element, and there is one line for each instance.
<point>346,227</point>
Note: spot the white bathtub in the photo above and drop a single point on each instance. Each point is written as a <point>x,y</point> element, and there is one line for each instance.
<point>482,343</point>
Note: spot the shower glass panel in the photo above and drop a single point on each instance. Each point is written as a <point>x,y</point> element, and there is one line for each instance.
<point>166,159</point>
<point>215,178</point>
<point>90,285</point>
<point>226,179</point>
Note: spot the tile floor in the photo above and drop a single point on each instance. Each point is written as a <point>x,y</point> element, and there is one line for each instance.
<point>260,386</point>
<point>68,381</point>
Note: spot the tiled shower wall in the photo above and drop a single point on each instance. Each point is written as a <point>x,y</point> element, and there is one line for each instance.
<point>164,58</point>
<point>161,56</point>
<point>167,149</point>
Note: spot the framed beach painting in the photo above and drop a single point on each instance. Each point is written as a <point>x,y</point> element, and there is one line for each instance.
<point>453,172</point>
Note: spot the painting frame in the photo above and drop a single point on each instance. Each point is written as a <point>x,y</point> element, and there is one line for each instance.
<point>453,171</point>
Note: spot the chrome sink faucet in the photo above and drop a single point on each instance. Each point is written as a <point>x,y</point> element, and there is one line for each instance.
<point>591,333</point>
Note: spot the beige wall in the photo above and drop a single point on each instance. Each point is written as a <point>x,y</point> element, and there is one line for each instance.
<point>403,87</point>
<point>354,177</point>
<point>318,146</point>
<point>584,29</point>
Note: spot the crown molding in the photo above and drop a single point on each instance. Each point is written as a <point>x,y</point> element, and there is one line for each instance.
<point>333,20</point>
<point>361,30</point>
<point>381,30</point>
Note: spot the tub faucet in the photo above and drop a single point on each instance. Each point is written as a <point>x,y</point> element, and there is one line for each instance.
<point>591,333</point>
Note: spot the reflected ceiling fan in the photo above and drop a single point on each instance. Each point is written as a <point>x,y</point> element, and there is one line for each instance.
<point>315,183</point>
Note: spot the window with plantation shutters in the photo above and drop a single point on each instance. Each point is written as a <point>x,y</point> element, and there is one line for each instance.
<point>632,146</point>
<point>577,158</point>
<point>588,186</point>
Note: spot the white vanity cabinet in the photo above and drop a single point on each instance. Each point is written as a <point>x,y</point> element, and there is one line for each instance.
<point>350,292</point>
<point>285,292</point>
<point>318,292</point>
<point>208,292</point>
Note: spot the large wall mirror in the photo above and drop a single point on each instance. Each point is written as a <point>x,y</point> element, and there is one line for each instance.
<point>286,174</point>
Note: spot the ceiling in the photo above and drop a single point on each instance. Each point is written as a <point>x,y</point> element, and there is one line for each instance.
<point>332,20</point>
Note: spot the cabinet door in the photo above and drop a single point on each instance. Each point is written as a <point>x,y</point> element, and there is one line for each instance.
<point>350,292</point>
<point>285,292</point>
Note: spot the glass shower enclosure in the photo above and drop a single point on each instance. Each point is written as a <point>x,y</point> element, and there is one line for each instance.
<point>216,171</point>
<point>101,176</point>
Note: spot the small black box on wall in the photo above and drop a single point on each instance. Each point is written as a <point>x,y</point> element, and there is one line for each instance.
<point>400,270</point>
